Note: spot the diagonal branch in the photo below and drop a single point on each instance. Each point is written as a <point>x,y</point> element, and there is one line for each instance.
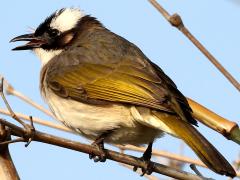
<point>176,21</point>
<point>11,91</point>
<point>38,121</point>
<point>165,154</point>
<point>112,155</point>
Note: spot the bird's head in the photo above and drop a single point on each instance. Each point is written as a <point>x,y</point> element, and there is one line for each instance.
<point>53,35</point>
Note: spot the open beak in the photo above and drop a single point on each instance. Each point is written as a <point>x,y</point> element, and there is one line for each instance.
<point>34,42</point>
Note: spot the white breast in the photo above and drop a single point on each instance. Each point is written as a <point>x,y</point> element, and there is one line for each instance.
<point>91,121</point>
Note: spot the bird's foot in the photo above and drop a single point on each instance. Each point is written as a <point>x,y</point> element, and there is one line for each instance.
<point>99,144</point>
<point>29,131</point>
<point>146,158</point>
<point>148,168</point>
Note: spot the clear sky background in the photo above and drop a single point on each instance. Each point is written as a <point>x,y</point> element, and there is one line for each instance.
<point>215,23</point>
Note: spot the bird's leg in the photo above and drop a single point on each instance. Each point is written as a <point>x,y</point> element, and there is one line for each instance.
<point>147,160</point>
<point>99,144</point>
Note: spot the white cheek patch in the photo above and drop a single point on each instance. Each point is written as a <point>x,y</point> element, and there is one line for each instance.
<point>67,19</point>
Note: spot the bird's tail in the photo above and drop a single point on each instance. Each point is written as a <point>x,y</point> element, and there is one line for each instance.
<point>199,144</point>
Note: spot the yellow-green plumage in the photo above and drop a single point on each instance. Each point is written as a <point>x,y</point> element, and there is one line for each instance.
<point>205,150</point>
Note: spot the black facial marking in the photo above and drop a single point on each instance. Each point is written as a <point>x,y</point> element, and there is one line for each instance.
<point>53,33</point>
<point>55,39</point>
<point>45,26</point>
<point>58,42</point>
<point>53,36</point>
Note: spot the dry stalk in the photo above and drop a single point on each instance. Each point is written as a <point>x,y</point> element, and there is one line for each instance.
<point>176,21</point>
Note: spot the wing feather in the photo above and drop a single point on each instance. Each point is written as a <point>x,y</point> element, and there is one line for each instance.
<point>129,78</point>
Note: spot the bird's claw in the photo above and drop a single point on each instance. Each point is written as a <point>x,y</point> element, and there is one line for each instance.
<point>29,132</point>
<point>101,158</point>
<point>149,167</point>
<point>98,158</point>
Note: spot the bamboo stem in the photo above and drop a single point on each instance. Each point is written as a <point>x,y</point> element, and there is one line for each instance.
<point>225,127</point>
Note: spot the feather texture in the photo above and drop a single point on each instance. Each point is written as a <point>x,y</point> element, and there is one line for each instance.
<point>204,149</point>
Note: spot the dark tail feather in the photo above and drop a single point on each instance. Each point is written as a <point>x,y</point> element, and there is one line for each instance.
<point>199,144</point>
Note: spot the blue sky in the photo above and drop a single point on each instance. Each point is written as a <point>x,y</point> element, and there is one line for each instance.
<point>215,23</point>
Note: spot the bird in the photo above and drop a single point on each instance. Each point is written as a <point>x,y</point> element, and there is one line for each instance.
<point>106,89</point>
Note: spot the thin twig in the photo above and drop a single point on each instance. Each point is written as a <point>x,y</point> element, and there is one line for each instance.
<point>176,21</point>
<point>13,115</point>
<point>10,90</point>
<point>38,121</point>
<point>29,129</point>
<point>166,155</point>
<point>194,168</point>
<point>20,139</point>
<point>175,163</point>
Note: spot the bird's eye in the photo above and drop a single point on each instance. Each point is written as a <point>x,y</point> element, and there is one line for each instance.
<point>53,33</point>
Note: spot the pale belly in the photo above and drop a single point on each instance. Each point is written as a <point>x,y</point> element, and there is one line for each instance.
<point>93,120</point>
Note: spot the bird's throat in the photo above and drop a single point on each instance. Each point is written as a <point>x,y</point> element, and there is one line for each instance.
<point>45,56</point>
